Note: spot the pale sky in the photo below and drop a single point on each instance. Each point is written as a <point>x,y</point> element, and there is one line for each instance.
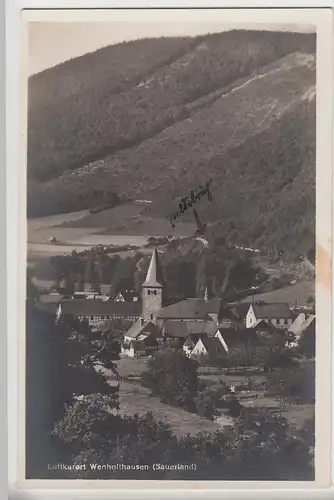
<point>51,43</point>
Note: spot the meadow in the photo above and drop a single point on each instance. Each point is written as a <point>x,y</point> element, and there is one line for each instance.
<point>136,398</point>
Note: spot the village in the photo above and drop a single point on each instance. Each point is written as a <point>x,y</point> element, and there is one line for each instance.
<point>236,344</point>
<point>199,326</point>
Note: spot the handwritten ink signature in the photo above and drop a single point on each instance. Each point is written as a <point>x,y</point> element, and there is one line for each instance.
<point>188,202</point>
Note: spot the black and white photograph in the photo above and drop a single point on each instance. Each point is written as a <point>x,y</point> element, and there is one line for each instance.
<point>171,309</point>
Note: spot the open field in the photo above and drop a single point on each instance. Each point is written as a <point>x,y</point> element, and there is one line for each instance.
<point>133,395</point>
<point>126,224</point>
<point>290,294</point>
<point>136,399</point>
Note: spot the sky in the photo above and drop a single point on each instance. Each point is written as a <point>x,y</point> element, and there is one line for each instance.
<point>51,43</point>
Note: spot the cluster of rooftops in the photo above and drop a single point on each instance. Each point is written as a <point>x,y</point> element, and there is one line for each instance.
<point>184,319</point>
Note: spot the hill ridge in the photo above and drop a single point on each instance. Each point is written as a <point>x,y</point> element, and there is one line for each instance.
<point>300,59</point>
<point>236,106</point>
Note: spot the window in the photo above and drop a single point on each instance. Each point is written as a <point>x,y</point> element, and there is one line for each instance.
<point>91,318</point>
<point>286,322</point>
<point>155,292</point>
<point>151,316</point>
<point>148,292</point>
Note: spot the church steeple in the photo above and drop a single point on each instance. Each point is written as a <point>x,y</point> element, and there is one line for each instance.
<point>152,289</point>
<point>154,275</point>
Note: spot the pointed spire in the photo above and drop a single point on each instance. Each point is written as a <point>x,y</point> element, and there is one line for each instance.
<point>154,275</point>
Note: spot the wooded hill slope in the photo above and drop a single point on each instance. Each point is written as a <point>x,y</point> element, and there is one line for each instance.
<point>154,118</point>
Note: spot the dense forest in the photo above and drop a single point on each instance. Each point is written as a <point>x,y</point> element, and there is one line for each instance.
<point>157,117</point>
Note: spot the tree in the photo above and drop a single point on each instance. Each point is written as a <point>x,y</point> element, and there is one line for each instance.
<point>172,376</point>
<point>297,383</point>
<point>307,344</point>
<point>209,397</point>
<point>61,365</point>
<point>243,273</point>
<point>268,449</point>
<point>201,275</point>
<point>261,448</point>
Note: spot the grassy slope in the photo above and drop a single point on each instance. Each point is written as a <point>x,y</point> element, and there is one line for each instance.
<point>232,105</point>
<point>290,294</point>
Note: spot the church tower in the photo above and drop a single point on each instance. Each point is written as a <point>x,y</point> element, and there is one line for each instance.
<point>152,289</point>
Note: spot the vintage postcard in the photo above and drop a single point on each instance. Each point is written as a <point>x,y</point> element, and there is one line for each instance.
<point>176,228</point>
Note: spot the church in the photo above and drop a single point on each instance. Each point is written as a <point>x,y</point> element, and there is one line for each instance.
<point>174,321</point>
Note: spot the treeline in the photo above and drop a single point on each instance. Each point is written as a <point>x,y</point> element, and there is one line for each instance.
<point>188,270</point>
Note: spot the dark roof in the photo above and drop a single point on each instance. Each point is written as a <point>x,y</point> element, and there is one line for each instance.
<point>272,310</point>
<point>191,309</point>
<point>213,346</point>
<point>96,307</point>
<point>185,328</point>
<point>234,337</point>
<point>139,328</point>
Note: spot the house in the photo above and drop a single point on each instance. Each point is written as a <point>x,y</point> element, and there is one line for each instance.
<point>127,296</point>
<point>142,329</point>
<point>98,312</point>
<point>303,324</point>
<point>237,339</point>
<point>279,315</point>
<point>208,347</point>
<point>135,349</point>
<point>190,343</point>
<point>141,339</point>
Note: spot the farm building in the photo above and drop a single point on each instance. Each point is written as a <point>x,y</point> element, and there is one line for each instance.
<point>98,312</point>
<point>279,315</point>
<point>208,347</point>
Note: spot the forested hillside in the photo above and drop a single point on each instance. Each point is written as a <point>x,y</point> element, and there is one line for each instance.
<point>155,118</point>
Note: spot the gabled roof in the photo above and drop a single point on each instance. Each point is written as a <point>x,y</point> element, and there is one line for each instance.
<point>213,346</point>
<point>154,275</point>
<point>276,311</point>
<point>244,336</point>
<point>182,329</point>
<point>301,323</point>
<point>192,339</point>
<point>94,307</point>
<point>139,328</point>
<point>190,309</point>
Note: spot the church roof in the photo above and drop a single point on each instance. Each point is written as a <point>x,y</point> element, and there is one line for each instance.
<point>154,275</point>
<point>183,329</point>
<point>190,309</point>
